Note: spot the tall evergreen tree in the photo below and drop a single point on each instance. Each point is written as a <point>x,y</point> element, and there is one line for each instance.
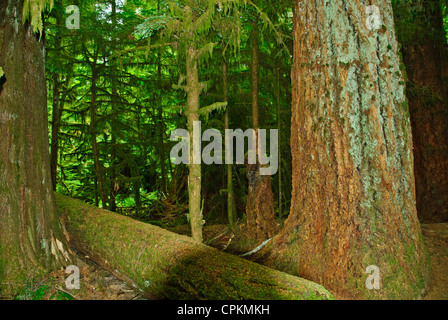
<point>31,239</point>
<point>421,33</point>
<point>353,201</point>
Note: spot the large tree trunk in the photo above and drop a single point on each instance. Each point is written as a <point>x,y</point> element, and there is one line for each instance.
<point>427,69</point>
<point>353,201</point>
<point>31,238</point>
<point>165,265</point>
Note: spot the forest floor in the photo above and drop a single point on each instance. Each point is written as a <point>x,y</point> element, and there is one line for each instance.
<point>99,284</point>
<point>436,241</point>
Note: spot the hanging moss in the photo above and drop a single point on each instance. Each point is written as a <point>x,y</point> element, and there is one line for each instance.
<point>32,11</point>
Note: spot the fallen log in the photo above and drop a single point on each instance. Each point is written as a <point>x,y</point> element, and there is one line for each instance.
<point>165,265</point>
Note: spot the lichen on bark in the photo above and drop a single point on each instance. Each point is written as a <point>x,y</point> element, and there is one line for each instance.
<point>353,195</point>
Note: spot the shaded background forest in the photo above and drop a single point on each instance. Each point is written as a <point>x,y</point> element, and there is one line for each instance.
<point>111,101</point>
<point>112,105</point>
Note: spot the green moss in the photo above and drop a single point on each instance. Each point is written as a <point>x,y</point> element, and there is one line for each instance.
<point>175,266</point>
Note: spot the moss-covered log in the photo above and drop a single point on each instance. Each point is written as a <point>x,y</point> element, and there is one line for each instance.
<point>165,265</point>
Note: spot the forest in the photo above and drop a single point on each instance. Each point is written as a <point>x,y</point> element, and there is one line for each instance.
<point>223,150</point>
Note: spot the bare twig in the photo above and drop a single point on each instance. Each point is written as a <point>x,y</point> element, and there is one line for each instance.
<point>62,290</point>
<point>228,243</point>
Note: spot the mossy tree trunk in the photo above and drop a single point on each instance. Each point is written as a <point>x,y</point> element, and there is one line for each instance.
<point>115,102</point>
<point>353,201</point>
<point>161,126</point>
<point>426,59</point>
<point>193,89</point>
<point>165,265</point>
<point>31,240</point>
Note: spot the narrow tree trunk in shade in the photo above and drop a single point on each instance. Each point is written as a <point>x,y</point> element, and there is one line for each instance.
<point>113,119</point>
<point>254,73</point>
<point>31,237</point>
<point>427,70</point>
<point>353,200</point>
<point>56,116</point>
<point>96,152</point>
<point>231,207</point>
<point>160,126</point>
<point>260,199</point>
<point>113,157</point>
<point>279,128</point>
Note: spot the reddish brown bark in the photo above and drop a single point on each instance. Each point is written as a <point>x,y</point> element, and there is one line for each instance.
<point>260,213</point>
<point>353,199</point>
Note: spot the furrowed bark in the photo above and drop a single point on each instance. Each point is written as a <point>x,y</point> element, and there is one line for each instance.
<point>353,199</point>
<point>31,238</point>
<point>165,265</point>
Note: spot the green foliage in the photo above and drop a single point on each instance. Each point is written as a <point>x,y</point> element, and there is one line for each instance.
<point>35,294</point>
<point>41,292</point>
<point>426,94</point>
<point>151,25</point>
<point>138,60</point>
<point>60,295</point>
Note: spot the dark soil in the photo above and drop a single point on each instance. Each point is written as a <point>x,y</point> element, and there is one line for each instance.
<point>436,241</point>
